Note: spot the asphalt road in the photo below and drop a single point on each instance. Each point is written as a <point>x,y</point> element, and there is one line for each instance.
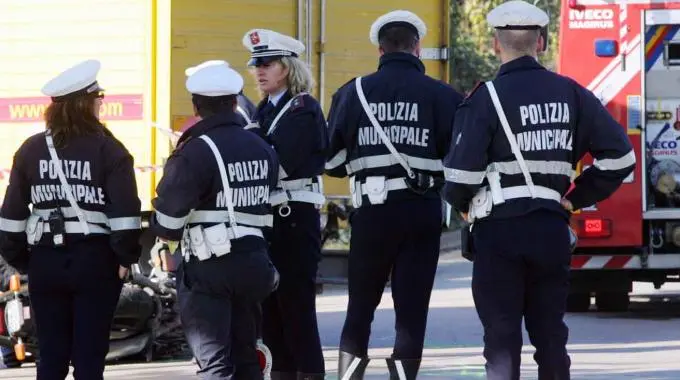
<point>641,344</point>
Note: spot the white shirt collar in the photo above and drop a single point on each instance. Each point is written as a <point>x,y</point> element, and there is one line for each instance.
<point>274,98</point>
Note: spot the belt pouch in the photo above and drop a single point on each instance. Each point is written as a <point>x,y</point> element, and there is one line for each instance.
<point>34,229</point>
<point>376,189</point>
<point>481,204</point>
<point>355,191</point>
<point>217,238</point>
<point>198,244</point>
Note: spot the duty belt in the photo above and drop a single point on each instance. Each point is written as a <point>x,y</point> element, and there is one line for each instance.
<point>230,234</point>
<point>305,190</point>
<point>358,188</point>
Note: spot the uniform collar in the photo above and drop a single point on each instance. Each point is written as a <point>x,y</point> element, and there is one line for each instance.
<point>222,119</point>
<point>274,98</point>
<point>520,64</point>
<point>401,60</point>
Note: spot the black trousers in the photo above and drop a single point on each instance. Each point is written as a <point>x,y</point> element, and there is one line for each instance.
<point>74,293</point>
<point>217,300</point>
<point>289,325</point>
<point>401,239</point>
<point>521,269</point>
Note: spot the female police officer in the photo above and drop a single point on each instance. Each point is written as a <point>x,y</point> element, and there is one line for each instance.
<point>83,230</point>
<point>293,123</point>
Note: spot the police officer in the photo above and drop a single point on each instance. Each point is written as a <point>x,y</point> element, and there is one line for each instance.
<point>390,132</point>
<point>84,228</point>
<point>244,107</point>
<point>214,197</point>
<point>514,152</point>
<point>292,121</point>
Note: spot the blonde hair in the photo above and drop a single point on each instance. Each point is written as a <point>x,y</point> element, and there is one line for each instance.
<point>299,78</point>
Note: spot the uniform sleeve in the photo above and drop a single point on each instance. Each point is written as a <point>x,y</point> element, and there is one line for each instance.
<point>124,210</point>
<point>337,125</point>
<point>304,135</point>
<point>608,143</point>
<point>14,216</point>
<point>446,110</point>
<point>466,162</point>
<point>177,194</point>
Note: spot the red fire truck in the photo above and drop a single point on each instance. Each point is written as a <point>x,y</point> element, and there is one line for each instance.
<point>627,52</point>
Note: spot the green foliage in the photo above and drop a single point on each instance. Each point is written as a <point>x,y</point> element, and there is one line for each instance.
<point>472,55</point>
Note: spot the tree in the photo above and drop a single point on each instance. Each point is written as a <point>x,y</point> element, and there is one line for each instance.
<point>472,55</point>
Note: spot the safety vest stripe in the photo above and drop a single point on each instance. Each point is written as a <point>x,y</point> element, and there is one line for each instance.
<point>222,216</point>
<point>509,168</point>
<point>96,217</point>
<point>12,225</point>
<point>337,160</point>
<point>387,160</point>
<point>125,223</point>
<point>170,222</point>
<point>538,167</point>
<point>616,163</point>
<point>464,176</point>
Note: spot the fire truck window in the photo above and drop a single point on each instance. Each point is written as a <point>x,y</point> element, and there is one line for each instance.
<point>672,53</point>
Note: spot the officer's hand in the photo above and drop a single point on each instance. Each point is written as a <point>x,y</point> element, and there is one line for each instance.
<point>172,245</point>
<point>567,205</point>
<point>123,272</point>
<point>464,215</point>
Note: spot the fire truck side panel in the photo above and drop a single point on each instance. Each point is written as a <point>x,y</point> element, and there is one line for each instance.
<point>38,39</point>
<point>662,104</point>
<point>617,85</point>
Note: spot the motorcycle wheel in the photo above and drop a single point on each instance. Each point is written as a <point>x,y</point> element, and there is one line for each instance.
<point>9,360</point>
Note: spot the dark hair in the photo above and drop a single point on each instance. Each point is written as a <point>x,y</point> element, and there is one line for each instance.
<point>398,39</point>
<point>210,105</point>
<point>74,117</point>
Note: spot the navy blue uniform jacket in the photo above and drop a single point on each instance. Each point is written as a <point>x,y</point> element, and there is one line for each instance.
<point>101,174</point>
<point>191,180</point>
<point>556,122</point>
<point>415,111</point>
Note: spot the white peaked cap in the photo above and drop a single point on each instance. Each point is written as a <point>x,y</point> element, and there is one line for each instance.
<point>267,45</point>
<point>193,69</point>
<point>77,80</point>
<point>517,14</point>
<point>397,17</point>
<point>214,80</point>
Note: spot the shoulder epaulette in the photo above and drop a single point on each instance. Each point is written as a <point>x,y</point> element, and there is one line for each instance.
<point>298,102</point>
<point>474,89</point>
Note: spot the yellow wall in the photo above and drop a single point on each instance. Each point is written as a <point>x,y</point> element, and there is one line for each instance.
<point>145,46</point>
<point>39,39</point>
<point>210,29</point>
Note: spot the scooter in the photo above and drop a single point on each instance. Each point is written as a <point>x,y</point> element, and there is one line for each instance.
<point>145,322</point>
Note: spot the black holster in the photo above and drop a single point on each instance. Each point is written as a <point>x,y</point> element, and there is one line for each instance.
<point>467,247</point>
<point>420,184</point>
<point>57,224</point>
